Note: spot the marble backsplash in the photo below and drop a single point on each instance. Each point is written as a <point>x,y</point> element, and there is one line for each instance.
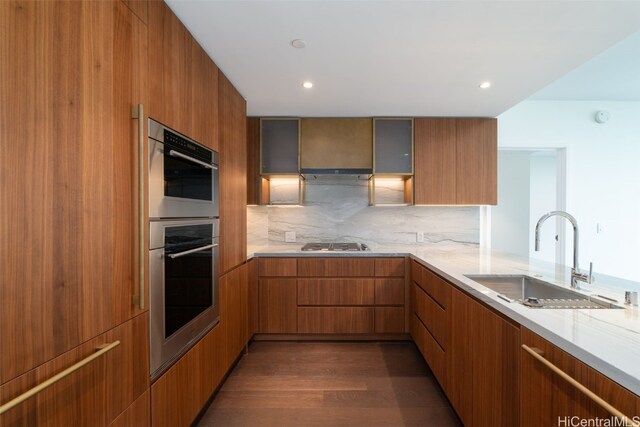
<point>337,209</point>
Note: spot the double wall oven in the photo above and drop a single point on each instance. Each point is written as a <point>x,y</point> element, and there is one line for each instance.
<point>183,243</point>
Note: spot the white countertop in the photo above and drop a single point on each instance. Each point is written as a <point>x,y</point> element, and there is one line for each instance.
<point>606,339</point>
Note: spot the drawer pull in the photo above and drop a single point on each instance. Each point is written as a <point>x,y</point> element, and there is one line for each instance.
<point>37,389</point>
<point>539,355</point>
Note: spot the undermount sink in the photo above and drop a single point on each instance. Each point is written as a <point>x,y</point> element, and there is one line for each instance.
<point>537,293</point>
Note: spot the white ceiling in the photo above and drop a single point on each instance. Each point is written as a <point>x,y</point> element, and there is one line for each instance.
<point>613,75</point>
<point>414,58</point>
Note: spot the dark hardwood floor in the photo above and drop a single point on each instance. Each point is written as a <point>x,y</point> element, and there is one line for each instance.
<point>330,384</point>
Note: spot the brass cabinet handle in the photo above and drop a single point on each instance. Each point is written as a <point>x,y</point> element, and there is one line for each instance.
<point>138,113</point>
<point>539,355</point>
<point>37,389</point>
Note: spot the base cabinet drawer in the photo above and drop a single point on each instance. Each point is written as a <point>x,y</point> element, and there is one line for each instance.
<point>336,291</point>
<point>389,320</point>
<point>389,291</point>
<point>136,415</point>
<point>93,395</point>
<point>434,318</point>
<point>335,320</point>
<point>432,352</point>
<point>336,267</point>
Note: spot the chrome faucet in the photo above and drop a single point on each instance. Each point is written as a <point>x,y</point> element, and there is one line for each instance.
<point>576,275</point>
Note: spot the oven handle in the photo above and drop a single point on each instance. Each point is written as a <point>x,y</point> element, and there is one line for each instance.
<point>191,251</point>
<point>174,153</point>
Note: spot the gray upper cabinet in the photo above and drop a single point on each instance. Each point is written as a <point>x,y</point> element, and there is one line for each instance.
<point>279,146</point>
<point>393,146</point>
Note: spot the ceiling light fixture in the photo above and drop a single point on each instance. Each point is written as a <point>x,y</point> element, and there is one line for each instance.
<point>307,85</point>
<point>298,43</point>
<point>485,85</point>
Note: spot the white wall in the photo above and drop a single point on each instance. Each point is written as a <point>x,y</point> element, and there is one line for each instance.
<point>542,199</point>
<point>603,172</point>
<point>510,217</point>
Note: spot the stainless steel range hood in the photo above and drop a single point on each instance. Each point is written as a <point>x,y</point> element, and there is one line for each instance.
<point>336,146</point>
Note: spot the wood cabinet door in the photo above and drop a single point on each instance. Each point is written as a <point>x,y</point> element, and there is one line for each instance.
<point>170,65</point>
<point>459,384</point>
<point>136,415</point>
<point>93,395</point>
<point>72,72</point>
<point>278,306</point>
<point>181,392</point>
<point>496,373</point>
<point>234,315</point>
<point>233,176</point>
<point>547,398</point>
<point>435,161</point>
<point>476,162</point>
<point>204,98</point>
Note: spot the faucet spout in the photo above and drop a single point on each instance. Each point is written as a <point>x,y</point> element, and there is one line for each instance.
<point>575,272</point>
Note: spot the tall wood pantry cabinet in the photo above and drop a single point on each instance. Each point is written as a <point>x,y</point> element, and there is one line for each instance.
<point>71,73</point>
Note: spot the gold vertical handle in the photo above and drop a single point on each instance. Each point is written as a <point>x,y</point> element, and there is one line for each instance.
<point>138,113</point>
<point>539,355</point>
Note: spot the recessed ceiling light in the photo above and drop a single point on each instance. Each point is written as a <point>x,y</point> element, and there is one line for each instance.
<point>298,44</point>
<point>307,85</point>
<point>485,85</point>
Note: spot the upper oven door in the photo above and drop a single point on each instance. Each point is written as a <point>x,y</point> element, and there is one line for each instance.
<point>183,176</point>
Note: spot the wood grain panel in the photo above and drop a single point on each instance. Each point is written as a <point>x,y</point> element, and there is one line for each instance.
<point>93,395</point>
<point>136,415</point>
<point>180,393</point>
<point>545,396</point>
<point>336,267</point>
<point>435,161</point>
<point>432,352</point>
<point>496,372</point>
<point>335,320</point>
<point>476,162</point>
<point>438,289</point>
<point>234,316</point>
<point>278,305</point>
<point>336,143</point>
<point>254,320</point>
<point>389,291</point>
<point>253,160</point>
<point>434,318</point>
<point>389,267</point>
<point>233,176</point>
<point>459,385</point>
<point>71,73</point>
<point>336,291</point>
<point>170,60</point>
<point>389,320</point>
<point>204,98</point>
<point>277,267</point>
<point>139,8</point>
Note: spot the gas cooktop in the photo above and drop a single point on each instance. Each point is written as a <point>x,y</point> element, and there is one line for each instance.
<point>335,247</point>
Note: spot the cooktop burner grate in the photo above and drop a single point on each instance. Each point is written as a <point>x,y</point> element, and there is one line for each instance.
<point>333,247</point>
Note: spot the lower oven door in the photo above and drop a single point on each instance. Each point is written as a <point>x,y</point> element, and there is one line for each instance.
<point>182,288</point>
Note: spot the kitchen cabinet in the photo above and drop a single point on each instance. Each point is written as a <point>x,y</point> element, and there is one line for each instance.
<point>96,393</point>
<point>336,143</point>
<point>252,281</point>
<point>279,146</point>
<point>254,180</point>
<point>178,396</point>
<point>547,398</point>
<point>183,84</point>
<point>234,315</point>
<point>136,415</point>
<point>332,295</point>
<point>472,351</point>
<point>233,176</point>
<point>393,146</point>
<point>67,186</point>
<point>455,161</point>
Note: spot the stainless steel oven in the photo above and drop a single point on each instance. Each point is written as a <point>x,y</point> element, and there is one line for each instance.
<point>183,286</point>
<point>183,176</point>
